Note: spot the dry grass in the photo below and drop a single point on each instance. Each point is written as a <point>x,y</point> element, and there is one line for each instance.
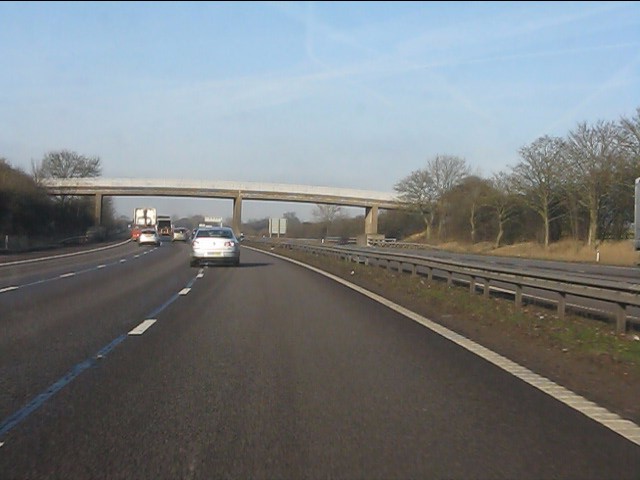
<point>610,253</point>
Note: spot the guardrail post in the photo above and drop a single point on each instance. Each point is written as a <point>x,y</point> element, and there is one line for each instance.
<point>621,318</point>
<point>472,285</point>
<point>487,285</point>
<point>562,305</point>
<point>449,279</point>
<point>414,270</point>
<point>429,274</point>
<point>518,299</point>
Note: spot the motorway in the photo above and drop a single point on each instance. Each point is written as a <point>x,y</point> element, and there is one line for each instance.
<point>579,270</point>
<point>267,370</point>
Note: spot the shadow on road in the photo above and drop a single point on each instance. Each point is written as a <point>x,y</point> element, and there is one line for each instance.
<point>242,265</point>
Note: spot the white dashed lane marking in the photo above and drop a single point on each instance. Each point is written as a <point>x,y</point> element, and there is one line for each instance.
<point>140,329</point>
<point>8,289</point>
<point>184,291</point>
<point>67,275</point>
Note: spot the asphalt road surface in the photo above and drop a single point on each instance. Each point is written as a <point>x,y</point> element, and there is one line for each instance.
<point>266,370</point>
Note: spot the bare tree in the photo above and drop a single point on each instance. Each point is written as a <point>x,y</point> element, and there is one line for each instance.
<point>424,189</point>
<point>446,172</point>
<point>417,189</point>
<point>467,214</point>
<point>327,214</point>
<point>537,178</point>
<point>629,136</point>
<point>477,191</point>
<point>594,155</point>
<point>502,202</point>
<point>66,164</point>
<point>294,225</point>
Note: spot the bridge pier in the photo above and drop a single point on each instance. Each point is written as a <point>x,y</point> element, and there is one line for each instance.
<point>237,214</point>
<point>97,214</point>
<point>371,220</point>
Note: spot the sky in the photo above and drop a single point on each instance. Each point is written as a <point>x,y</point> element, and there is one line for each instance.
<point>338,94</point>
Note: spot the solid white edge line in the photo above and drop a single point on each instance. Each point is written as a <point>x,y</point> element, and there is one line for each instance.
<point>140,329</point>
<point>631,431</point>
<point>40,259</point>
<point>184,291</point>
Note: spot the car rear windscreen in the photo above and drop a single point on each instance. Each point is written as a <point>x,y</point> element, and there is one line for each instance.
<point>215,234</point>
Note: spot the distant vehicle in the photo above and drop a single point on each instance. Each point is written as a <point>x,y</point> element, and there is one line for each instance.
<point>214,245</point>
<point>135,232</point>
<point>144,217</point>
<point>180,235</point>
<point>96,234</point>
<point>213,221</point>
<point>164,225</point>
<point>149,236</point>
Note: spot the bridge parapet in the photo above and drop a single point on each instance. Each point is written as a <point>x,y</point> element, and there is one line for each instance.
<point>238,191</point>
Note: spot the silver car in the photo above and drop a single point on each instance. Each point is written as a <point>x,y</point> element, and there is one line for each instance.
<point>214,245</point>
<point>149,236</point>
<point>180,235</point>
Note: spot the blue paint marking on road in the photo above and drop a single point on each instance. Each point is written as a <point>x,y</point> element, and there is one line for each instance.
<point>38,401</point>
<point>80,272</point>
<point>13,420</point>
<point>163,306</point>
<point>170,301</point>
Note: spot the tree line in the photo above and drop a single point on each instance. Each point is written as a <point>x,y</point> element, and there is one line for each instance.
<point>26,210</point>
<point>580,186</point>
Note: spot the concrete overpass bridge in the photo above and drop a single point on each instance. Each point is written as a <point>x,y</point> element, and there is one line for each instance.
<point>100,187</point>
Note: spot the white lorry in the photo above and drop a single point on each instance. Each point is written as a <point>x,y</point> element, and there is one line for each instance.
<point>145,217</point>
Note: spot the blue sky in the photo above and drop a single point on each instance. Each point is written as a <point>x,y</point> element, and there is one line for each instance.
<point>354,95</point>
